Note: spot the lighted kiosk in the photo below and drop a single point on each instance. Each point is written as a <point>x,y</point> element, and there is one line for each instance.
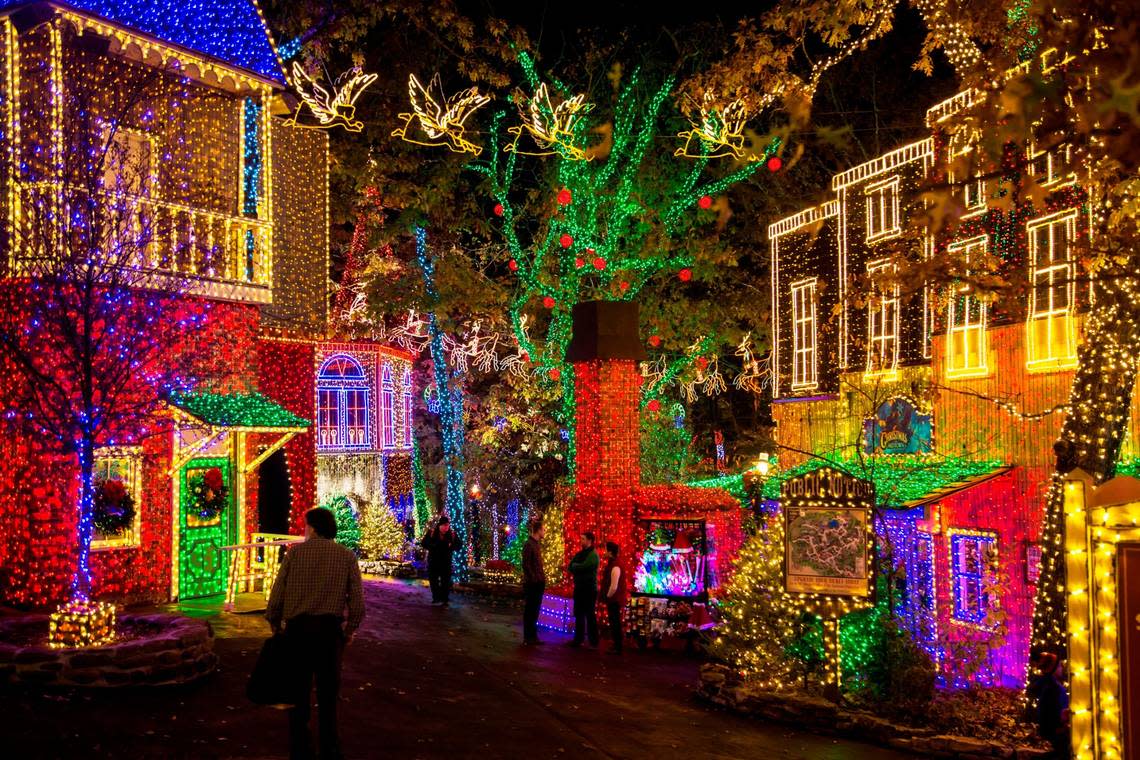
<point>671,581</point>
<point>1102,555</point>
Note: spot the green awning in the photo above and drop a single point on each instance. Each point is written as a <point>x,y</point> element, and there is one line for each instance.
<point>238,410</point>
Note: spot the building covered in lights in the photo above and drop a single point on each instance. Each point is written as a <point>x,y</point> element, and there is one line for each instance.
<point>950,403</point>
<point>292,416</point>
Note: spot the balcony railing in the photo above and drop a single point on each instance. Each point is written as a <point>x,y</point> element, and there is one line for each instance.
<point>216,253</point>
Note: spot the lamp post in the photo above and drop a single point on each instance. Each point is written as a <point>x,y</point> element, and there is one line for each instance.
<point>754,480</point>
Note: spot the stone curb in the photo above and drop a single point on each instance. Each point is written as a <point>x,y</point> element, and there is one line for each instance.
<point>720,686</point>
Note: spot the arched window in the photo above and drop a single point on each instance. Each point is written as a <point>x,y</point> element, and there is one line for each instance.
<point>408,408</point>
<point>387,412</point>
<point>342,405</point>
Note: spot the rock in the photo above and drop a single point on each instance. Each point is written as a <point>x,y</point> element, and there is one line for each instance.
<point>91,659</point>
<point>33,655</point>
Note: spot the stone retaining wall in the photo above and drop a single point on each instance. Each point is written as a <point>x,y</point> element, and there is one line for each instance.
<point>179,650</point>
<point>721,686</point>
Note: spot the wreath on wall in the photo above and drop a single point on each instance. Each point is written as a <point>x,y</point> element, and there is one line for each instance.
<point>208,494</point>
<point>114,507</point>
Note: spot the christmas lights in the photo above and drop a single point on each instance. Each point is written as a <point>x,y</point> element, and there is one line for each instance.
<point>82,624</point>
<point>719,133</point>
<point>440,120</point>
<point>337,110</point>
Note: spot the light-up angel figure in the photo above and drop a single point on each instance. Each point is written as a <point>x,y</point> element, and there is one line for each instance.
<point>337,110</point>
<point>553,128</point>
<point>437,119</point>
<point>718,133</point>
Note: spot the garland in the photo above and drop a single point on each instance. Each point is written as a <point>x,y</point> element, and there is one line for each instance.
<point>208,493</point>
<point>114,507</point>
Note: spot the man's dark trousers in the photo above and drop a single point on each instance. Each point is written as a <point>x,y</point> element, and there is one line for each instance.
<point>532,604</point>
<point>586,617</point>
<point>317,643</point>
<point>613,610</point>
<point>439,579</point>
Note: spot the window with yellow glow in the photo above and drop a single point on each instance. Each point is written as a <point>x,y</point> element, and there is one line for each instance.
<point>966,318</point>
<point>803,335</point>
<point>117,467</point>
<point>1051,338</point>
<point>883,209</point>
<point>1053,166</point>
<point>972,190</point>
<point>883,322</point>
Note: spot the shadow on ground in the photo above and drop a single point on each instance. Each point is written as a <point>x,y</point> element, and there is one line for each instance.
<point>421,682</point>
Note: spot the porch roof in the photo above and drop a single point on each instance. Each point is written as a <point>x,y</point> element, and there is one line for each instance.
<point>902,482</point>
<point>251,411</point>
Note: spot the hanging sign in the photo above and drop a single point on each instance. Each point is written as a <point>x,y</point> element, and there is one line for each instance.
<point>897,428</point>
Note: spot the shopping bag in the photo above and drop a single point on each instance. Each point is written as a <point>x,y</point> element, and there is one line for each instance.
<point>274,678</point>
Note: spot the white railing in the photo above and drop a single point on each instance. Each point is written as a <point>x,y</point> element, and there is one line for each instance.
<point>254,563</point>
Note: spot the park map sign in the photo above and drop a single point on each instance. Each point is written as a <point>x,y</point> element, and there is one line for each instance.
<point>826,551</point>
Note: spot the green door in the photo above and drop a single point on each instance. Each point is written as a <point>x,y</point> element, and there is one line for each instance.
<point>206,524</point>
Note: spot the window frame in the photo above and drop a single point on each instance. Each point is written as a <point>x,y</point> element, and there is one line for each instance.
<point>803,296</point>
<point>387,408</point>
<point>881,189</point>
<point>133,457</point>
<point>1058,170</point>
<point>1062,319</point>
<point>408,428</point>
<point>988,558</point>
<point>340,386</point>
<point>887,306</point>
<point>970,330</point>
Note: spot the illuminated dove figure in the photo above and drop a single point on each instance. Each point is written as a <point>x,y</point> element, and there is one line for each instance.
<point>437,119</point>
<point>718,133</point>
<point>552,128</point>
<point>331,111</point>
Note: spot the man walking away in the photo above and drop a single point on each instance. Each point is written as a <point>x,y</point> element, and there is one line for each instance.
<point>534,582</point>
<point>318,579</point>
<point>440,543</point>
<point>614,594</point>
<point>584,568</point>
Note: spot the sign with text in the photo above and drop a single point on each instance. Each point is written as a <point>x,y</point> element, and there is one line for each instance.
<point>827,516</point>
<point>897,427</point>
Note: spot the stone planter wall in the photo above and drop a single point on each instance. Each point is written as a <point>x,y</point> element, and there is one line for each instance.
<point>721,686</point>
<point>180,650</point>
<point>387,568</point>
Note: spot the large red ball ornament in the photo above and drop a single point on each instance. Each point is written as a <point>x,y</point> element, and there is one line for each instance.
<point>556,374</point>
<point>702,362</point>
<point>498,209</point>
<point>775,163</point>
<point>579,262</point>
<point>654,405</point>
<point>564,197</point>
<point>685,274</point>
<point>623,285</point>
<point>599,263</point>
<point>705,202</point>
<point>566,240</point>
<point>655,340</point>
<point>548,302</point>
<point>513,265</point>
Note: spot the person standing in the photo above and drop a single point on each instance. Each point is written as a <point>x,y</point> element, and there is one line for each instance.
<point>534,582</point>
<point>614,594</point>
<point>316,582</point>
<point>1051,701</point>
<point>440,543</point>
<point>584,569</point>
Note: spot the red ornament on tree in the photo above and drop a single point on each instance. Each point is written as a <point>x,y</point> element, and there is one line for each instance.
<point>702,362</point>
<point>564,197</point>
<point>654,405</point>
<point>556,374</point>
<point>685,274</point>
<point>566,240</point>
<point>525,356</point>
<point>599,263</point>
<point>624,286</point>
<point>498,209</point>
<point>513,265</point>
<point>705,201</point>
<point>775,163</point>
<point>655,340</point>
<point>548,302</point>
<point>579,262</point>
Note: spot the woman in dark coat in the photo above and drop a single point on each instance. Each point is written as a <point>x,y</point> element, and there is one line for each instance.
<point>440,543</point>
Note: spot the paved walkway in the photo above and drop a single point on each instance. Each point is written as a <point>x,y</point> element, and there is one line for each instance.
<point>423,682</point>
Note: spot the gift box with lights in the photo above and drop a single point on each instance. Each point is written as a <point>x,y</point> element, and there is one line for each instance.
<point>82,624</point>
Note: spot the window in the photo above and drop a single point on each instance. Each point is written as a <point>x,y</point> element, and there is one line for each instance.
<point>408,408</point>
<point>387,411</point>
<point>342,405</point>
<point>118,494</point>
<point>973,558</point>
<point>972,190</point>
<point>921,598</point>
<point>1051,167</point>
<point>803,335</point>
<point>883,210</point>
<point>1051,325</point>
<point>128,161</point>
<point>883,322</point>
<point>966,318</point>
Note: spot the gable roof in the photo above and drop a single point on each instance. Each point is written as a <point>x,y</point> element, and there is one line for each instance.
<point>230,31</point>
<point>238,410</point>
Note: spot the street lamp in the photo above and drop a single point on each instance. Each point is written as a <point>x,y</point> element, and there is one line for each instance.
<point>755,478</point>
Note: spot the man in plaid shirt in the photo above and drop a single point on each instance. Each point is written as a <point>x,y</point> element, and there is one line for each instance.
<point>318,579</point>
